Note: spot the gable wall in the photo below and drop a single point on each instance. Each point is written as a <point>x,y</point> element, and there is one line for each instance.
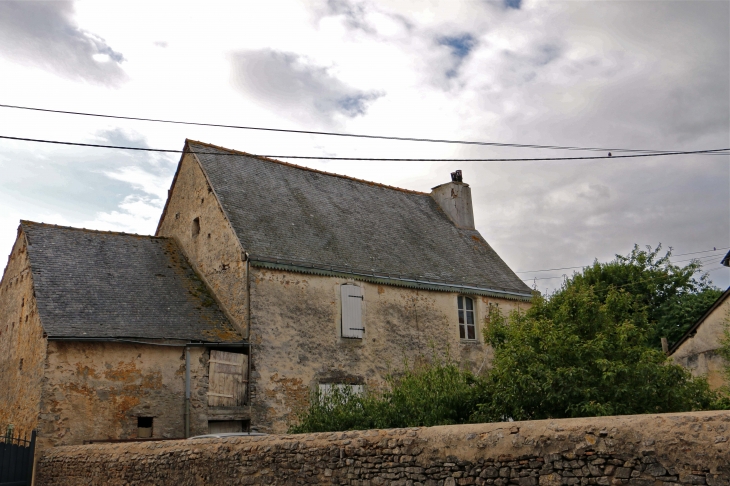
<point>22,344</point>
<point>96,391</point>
<point>699,353</point>
<point>296,340</point>
<point>215,252</point>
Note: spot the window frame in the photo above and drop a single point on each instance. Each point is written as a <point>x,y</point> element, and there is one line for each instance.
<point>463,312</point>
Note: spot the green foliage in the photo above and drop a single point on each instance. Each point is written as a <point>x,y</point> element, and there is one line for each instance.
<point>435,393</point>
<point>582,354</point>
<point>671,296</point>
<point>680,312</point>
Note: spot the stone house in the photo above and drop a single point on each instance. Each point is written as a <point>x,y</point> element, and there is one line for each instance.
<point>698,349</point>
<point>265,281</point>
<point>99,334</point>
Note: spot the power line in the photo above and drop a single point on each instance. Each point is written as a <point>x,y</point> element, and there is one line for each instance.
<point>336,134</point>
<point>371,159</point>
<point>583,266</point>
<point>618,286</point>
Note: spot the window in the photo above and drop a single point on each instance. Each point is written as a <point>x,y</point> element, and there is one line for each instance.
<point>467,329</point>
<point>351,297</point>
<point>326,389</point>
<point>144,427</point>
<point>196,226</point>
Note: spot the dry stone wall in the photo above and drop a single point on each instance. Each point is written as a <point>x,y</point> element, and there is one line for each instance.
<point>649,450</point>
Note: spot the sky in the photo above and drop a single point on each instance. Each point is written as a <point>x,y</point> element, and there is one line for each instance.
<point>611,74</point>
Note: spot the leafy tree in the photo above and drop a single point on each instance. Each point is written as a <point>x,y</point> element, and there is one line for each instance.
<point>672,297</point>
<point>589,349</point>
<point>432,393</point>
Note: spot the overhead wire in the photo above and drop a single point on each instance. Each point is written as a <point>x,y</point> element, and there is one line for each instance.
<point>583,266</point>
<point>371,159</point>
<point>339,134</point>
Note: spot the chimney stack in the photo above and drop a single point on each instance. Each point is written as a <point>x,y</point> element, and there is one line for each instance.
<point>455,199</point>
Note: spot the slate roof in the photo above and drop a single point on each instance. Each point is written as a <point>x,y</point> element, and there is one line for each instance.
<point>307,219</point>
<point>95,284</point>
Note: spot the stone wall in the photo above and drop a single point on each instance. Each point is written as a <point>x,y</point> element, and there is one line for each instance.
<point>214,251</point>
<point>648,450</point>
<point>297,340</point>
<point>96,391</point>
<point>22,344</point>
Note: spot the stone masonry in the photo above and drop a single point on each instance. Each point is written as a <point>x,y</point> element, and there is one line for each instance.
<point>649,450</point>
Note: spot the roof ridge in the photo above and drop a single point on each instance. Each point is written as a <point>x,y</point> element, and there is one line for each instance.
<point>268,159</point>
<point>88,230</point>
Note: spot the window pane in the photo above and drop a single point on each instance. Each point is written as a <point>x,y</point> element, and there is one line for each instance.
<point>460,300</point>
<point>469,317</point>
<point>461,317</point>
<point>471,331</point>
<point>468,303</point>
<point>461,331</point>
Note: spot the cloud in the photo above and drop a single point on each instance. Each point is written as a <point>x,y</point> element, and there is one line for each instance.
<point>44,34</point>
<point>515,4</point>
<point>288,82</point>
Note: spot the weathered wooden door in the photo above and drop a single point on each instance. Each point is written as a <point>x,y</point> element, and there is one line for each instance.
<point>227,379</point>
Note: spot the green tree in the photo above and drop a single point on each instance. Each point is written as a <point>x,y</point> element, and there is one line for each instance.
<point>673,297</point>
<point>590,348</point>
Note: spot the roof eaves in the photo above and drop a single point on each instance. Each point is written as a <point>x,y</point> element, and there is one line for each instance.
<point>726,261</point>
<point>699,322</point>
<point>397,281</point>
<point>268,159</point>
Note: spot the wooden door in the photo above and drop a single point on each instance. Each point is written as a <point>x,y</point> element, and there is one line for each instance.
<point>227,379</point>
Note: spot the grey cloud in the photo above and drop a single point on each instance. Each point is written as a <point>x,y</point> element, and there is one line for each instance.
<point>43,33</point>
<point>284,81</point>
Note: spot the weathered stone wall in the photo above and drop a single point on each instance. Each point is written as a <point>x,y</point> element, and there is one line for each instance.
<point>214,252</point>
<point>699,353</point>
<point>297,341</point>
<point>22,344</point>
<point>648,450</point>
<point>96,391</point>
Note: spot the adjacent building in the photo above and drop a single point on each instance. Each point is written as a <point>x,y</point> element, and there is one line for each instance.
<point>265,281</point>
<point>698,349</point>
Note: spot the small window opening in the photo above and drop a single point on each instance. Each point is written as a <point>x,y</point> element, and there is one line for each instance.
<point>202,200</point>
<point>467,329</point>
<point>177,215</point>
<point>228,426</point>
<point>196,226</point>
<point>144,427</point>
<point>20,366</point>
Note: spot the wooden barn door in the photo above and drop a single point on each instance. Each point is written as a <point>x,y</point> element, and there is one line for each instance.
<point>227,379</point>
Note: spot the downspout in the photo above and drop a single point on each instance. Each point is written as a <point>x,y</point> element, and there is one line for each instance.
<point>187,392</point>
<point>248,335</point>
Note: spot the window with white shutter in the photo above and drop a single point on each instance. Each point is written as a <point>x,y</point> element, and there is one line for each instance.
<point>351,298</point>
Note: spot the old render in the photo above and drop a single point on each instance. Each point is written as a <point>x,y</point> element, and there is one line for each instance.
<point>698,349</point>
<point>264,281</point>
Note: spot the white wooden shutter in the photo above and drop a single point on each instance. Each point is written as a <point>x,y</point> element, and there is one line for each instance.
<point>351,297</point>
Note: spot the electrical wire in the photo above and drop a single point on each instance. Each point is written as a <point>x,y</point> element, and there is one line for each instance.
<point>583,266</point>
<point>336,134</point>
<point>370,159</point>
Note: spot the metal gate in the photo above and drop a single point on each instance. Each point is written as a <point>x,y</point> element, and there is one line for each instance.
<point>16,460</point>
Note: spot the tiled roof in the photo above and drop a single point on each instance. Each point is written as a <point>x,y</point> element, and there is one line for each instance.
<point>95,284</point>
<point>298,216</point>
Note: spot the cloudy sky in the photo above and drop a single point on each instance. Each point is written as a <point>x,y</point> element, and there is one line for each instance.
<point>639,75</point>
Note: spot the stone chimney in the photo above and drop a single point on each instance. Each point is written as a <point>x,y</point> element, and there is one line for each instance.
<point>455,199</point>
